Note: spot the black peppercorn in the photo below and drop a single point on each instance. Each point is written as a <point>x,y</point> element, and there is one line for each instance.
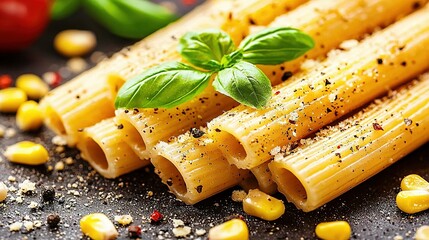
<point>53,220</point>
<point>48,195</point>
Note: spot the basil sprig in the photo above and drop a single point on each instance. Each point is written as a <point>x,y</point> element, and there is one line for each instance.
<point>213,52</point>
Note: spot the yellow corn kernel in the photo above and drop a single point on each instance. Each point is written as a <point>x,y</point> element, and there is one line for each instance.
<point>262,205</point>
<point>11,99</point>
<point>27,152</point>
<point>422,233</point>
<point>336,230</point>
<point>413,201</point>
<point>234,229</point>
<point>74,43</point>
<point>32,85</point>
<point>98,227</point>
<point>29,116</point>
<point>3,191</point>
<point>414,182</point>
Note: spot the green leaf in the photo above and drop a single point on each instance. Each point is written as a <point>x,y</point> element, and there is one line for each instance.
<point>275,45</point>
<point>205,49</point>
<point>245,83</point>
<point>164,86</point>
<point>132,19</point>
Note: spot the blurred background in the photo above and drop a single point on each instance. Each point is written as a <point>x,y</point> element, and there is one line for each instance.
<point>57,39</point>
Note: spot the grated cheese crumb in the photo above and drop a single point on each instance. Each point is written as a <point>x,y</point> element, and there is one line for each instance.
<point>29,226</point>
<point>348,44</point>
<point>33,205</point>
<point>9,133</point>
<point>178,223</point>
<point>200,232</point>
<point>19,199</point>
<point>59,166</point>
<point>275,150</point>
<point>27,186</point>
<point>11,179</point>
<point>124,219</point>
<point>238,195</point>
<point>69,161</point>
<point>181,231</point>
<point>16,226</point>
<point>59,140</point>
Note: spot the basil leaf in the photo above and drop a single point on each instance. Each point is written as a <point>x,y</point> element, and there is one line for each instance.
<point>245,83</point>
<point>205,49</point>
<point>275,45</point>
<point>164,86</point>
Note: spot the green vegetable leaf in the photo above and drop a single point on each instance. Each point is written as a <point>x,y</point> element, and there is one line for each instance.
<point>275,45</point>
<point>205,49</point>
<point>245,83</point>
<point>164,86</point>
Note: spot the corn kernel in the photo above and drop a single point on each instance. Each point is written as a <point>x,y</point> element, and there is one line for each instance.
<point>98,227</point>
<point>74,43</point>
<point>11,99</point>
<point>235,229</point>
<point>3,191</point>
<point>27,152</point>
<point>32,85</point>
<point>413,201</point>
<point>336,230</point>
<point>422,233</point>
<point>414,182</point>
<point>29,116</point>
<point>262,205</point>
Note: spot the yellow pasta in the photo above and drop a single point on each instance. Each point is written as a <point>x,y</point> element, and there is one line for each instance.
<point>311,100</point>
<point>89,96</point>
<point>347,154</point>
<point>103,147</point>
<point>156,125</point>
<point>195,175</point>
<point>263,176</point>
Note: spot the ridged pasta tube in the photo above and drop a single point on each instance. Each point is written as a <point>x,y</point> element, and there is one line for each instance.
<point>345,155</point>
<point>195,175</point>
<point>102,145</point>
<point>321,19</point>
<point>87,96</point>
<point>314,99</point>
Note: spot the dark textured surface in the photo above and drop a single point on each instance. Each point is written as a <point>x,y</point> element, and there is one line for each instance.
<point>370,208</point>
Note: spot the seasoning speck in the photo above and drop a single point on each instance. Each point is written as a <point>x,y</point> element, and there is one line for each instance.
<point>134,231</point>
<point>156,216</point>
<point>48,195</point>
<point>196,133</point>
<point>408,121</point>
<point>377,126</point>
<point>53,220</point>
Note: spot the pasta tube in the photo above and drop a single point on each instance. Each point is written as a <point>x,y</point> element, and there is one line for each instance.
<point>159,124</point>
<point>89,95</point>
<point>103,147</point>
<point>339,85</point>
<point>347,154</point>
<point>198,173</point>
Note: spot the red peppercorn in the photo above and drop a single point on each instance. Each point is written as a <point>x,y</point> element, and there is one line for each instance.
<point>134,231</point>
<point>156,216</point>
<point>5,81</point>
<point>277,93</point>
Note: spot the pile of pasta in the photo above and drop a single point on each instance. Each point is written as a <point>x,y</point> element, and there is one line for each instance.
<point>364,50</point>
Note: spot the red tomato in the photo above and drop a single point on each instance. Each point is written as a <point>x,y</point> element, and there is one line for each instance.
<point>21,22</point>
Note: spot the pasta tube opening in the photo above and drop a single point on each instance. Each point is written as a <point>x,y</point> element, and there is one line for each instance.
<point>171,176</point>
<point>54,121</point>
<point>230,142</point>
<point>134,139</point>
<point>290,183</point>
<point>96,154</point>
